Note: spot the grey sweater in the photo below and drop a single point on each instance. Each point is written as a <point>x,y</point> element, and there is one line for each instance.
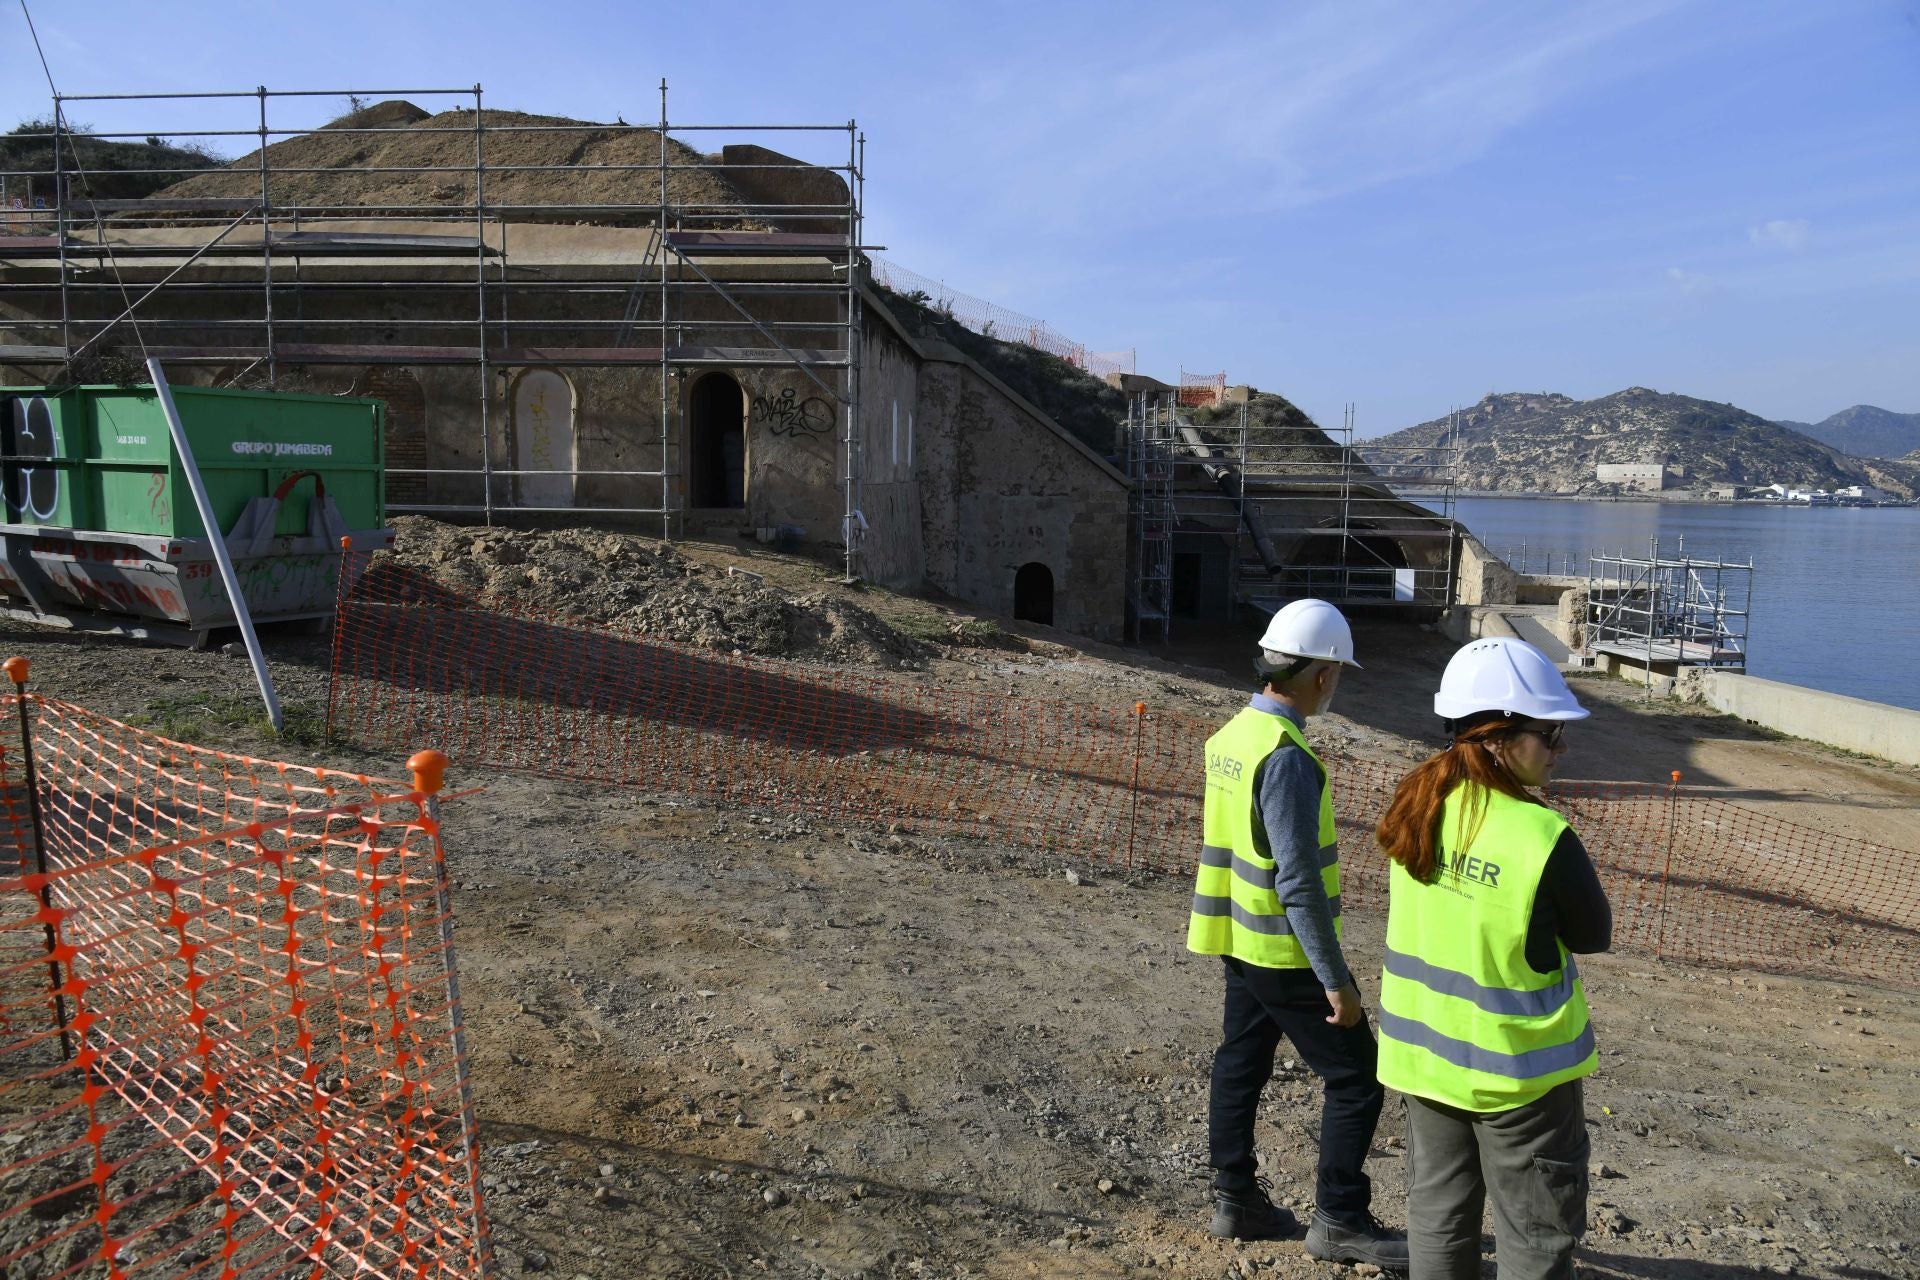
<point>1287,801</point>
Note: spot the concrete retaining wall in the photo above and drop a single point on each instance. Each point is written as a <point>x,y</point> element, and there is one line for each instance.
<point>1482,577</point>
<point>1853,724</point>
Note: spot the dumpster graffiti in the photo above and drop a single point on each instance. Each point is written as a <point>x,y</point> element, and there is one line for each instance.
<point>33,491</point>
<point>275,584</point>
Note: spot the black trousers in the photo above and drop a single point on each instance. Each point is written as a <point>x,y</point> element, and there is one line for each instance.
<point>1262,1006</point>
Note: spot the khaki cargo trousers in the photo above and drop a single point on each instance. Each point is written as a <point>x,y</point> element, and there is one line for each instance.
<point>1530,1161</point>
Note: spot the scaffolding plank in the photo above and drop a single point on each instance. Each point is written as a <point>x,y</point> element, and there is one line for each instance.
<point>754,241</point>
<point>339,247</point>
<point>374,353</point>
<point>758,355</point>
<point>310,241</point>
<point>580,355</point>
<point>166,204</point>
<point>43,354</point>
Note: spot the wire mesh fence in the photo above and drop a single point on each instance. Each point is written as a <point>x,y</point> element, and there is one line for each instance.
<point>229,1035</point>
<point>1691,876</point>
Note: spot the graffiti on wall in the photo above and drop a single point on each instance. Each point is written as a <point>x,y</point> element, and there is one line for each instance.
<point>786,414</point>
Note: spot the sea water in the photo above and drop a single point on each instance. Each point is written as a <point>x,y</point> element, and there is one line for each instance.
<point>1836,590</point>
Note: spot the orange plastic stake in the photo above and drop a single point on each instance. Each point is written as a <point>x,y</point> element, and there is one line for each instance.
<point>429,769</point>
<point>16,669</point>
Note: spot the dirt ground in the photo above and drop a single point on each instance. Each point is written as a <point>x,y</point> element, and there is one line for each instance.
<point>720,1043</point>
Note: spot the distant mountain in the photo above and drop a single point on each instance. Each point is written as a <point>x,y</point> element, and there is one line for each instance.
<point>1552,443</point>
<point>1865,431</point>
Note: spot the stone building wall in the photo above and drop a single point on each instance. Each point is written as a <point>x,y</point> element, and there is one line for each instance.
<point>1002,487</point>
<point>962,482</point>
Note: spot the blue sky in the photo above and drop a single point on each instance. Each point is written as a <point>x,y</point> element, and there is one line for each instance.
<point>1401,205</point>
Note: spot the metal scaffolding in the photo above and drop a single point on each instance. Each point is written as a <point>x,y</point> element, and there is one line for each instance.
<point>1151,438</point>
<point>732,258</point>
<point>1304,511</point>
<point>1675,610</point>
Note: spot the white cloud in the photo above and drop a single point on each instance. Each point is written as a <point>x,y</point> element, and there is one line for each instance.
<point>1312,102</point>
<point>1693,284</point>
<point>1790,234</point>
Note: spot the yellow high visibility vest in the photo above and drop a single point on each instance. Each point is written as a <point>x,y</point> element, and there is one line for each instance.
<point>1235,909</point>
<point>1464,1020</point>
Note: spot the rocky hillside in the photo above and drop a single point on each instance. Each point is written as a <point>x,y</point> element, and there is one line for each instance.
<point>1551,443</point>
<point>1865,431</point>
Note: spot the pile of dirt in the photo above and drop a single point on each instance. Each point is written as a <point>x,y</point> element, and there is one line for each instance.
<point>353,167</point>
<point>635,585</point>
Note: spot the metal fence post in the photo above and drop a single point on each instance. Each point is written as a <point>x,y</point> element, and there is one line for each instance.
<point>16,669</point>
<point>429,769</point>
<point>1133,791</point>
<point>340,589</point>
<point>1666,870</point>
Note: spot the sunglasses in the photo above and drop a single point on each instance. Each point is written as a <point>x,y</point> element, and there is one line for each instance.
<point>1551,737</point>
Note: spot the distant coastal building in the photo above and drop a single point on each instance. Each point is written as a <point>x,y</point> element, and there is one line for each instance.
<point>1862,493</point>
<point>1648,476</point>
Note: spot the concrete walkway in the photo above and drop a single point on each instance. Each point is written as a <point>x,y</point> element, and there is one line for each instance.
<point>1530,624</point>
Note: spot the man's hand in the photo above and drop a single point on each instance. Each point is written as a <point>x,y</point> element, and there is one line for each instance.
<point>1347,1008</point>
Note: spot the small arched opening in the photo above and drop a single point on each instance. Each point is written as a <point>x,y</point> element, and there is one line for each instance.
<point>716,443</point>
<point>1033,593</point>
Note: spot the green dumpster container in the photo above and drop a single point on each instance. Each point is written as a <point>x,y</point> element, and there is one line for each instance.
<point>100,518</point>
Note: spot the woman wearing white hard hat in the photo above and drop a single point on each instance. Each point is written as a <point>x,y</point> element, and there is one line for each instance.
<point>1483,1018</point>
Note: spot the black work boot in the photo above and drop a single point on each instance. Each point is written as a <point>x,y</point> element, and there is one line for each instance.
<point>1248,1215</point>
<point>1331,1241</point>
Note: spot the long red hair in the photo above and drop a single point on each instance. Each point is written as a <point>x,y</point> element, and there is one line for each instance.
<point>1410,832</point>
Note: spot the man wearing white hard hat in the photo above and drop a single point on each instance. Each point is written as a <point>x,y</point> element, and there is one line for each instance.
<point>1483,1018</point>
<point>1267,902</point>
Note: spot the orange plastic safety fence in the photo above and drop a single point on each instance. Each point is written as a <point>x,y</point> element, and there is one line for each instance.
<point>1691,875</point>
<point>1203,388</point>
<point>226,1031</point>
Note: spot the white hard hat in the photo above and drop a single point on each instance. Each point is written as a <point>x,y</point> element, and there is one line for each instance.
<point>1310,629</point>
<point>1500,673</point>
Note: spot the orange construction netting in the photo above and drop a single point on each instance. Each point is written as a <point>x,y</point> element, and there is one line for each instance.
<point>229,1035</point>
<point>1691,876</point>
<point>1203,388</point>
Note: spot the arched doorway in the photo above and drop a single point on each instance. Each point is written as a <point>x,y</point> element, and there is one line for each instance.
<point>544,439</point>
<point>1033,593</point>
<point>716,443</point>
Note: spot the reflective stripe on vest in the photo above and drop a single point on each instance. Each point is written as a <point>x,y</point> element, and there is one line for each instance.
<point>1464,1020</point>
<point>1236,911</point>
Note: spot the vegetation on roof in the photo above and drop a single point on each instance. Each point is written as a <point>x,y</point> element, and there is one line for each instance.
<point>108,169</point>
<point>1091,411</point>
<point>1281,438</point>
